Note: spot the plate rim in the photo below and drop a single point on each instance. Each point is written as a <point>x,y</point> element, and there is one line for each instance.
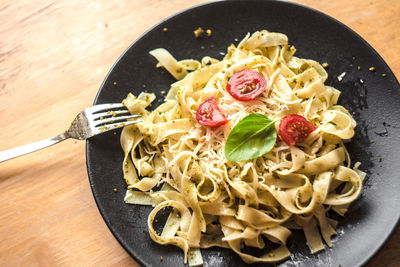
<point>120,240</point>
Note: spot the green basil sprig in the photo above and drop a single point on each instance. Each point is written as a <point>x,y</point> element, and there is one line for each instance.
<point>252,137</point>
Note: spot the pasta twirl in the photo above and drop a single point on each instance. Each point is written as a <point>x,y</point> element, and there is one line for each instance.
<point>216,202</point>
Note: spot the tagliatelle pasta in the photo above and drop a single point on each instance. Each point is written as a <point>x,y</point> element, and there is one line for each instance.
<point>216,202</point>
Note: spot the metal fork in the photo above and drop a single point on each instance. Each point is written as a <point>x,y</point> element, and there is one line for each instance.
<point>89,122</point>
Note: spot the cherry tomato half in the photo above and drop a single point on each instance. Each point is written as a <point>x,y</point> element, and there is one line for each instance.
<point>246,85</point>
<point>208,114</point>
<point>294,129</point>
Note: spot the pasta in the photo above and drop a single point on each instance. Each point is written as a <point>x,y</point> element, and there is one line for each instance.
<point>249,203</point>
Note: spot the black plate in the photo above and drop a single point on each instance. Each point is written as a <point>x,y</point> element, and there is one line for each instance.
<point>371,98</point>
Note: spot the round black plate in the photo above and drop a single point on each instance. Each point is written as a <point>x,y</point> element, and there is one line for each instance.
<point>371,98</point>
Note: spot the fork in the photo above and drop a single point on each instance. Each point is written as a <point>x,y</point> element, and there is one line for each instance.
<point>89,122</point>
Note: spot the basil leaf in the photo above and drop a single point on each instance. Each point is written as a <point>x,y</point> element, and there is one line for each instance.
<point>252,137</point>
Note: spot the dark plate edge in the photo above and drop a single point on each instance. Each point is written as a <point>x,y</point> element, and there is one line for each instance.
<point>87,147</point>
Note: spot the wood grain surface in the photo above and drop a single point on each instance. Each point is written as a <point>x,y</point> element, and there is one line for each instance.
<point>53,58</point>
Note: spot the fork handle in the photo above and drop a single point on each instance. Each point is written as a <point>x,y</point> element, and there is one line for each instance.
<point>22,150</point>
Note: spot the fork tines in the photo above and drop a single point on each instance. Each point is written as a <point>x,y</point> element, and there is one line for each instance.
<point>109,116</point>
<point>105,107</point>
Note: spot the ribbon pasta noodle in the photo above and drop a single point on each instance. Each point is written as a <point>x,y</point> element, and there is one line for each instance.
<point>216,202</point>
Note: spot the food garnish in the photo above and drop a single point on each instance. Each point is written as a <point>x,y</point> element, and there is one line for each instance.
<point>208,114</point>
<point>252,137</point>
<point>246,85</point>
<point>294,129</point>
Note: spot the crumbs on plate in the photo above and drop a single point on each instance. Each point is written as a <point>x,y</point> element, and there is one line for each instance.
<point>199,32</point>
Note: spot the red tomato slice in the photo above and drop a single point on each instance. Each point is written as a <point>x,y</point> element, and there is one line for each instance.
<point>246,85</point>
<point>208,114</point>
<point>294,129</point>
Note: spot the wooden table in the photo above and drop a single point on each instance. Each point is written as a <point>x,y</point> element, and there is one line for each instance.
<point>53,58</point>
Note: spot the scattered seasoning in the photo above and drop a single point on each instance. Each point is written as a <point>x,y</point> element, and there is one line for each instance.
<point>163,92</point>
<point>202,47</point>
<point>115,83</point>
<point>371,69</point>
<point>161,258</point>
<point>236,39</point>
<point>358,68</point>
<point>106,25</point>
<point>380,159</point>
<point>340,77</point>
<point>115,190</point>
<point>208,32</point>
<point>165,29</point>
<point>384,75</point>
<point>199,32</point>
<point>325,64</point>
<point>115,133</point>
